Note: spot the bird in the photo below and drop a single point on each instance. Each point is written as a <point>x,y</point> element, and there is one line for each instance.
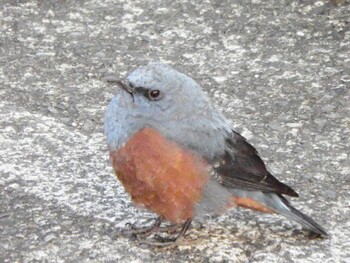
<point>178,156</point>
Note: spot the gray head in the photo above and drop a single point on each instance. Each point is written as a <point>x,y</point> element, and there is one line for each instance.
<point>160,92</point>
<point>159,97</point>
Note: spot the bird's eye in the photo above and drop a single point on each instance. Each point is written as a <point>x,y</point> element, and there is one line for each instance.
<point>154,94</point>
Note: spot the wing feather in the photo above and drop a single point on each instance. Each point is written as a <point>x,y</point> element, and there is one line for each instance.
<point>241,167</point>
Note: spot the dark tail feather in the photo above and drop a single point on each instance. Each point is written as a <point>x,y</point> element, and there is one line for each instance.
<point>301,218</point>
<point>280,205</point>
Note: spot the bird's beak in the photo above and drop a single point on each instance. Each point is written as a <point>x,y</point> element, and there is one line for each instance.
<point>121,84</point>
<point>125,87</point>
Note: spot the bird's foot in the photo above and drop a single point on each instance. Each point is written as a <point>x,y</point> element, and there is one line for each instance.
<point>169,242</point>
<point>162,242</point>
<point>136,232</point>
<point>140,233</point>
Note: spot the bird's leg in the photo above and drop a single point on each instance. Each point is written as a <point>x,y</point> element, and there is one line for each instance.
<point>166,242</point>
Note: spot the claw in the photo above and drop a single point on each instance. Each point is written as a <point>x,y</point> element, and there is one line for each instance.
<point>142,233</point>
<point>171,242</point>
<point>135,232</point>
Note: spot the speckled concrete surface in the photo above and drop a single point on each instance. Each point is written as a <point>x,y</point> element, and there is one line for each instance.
<point>279,69</point>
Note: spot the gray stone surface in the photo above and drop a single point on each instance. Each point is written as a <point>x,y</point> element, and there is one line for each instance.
<point>279,69</point>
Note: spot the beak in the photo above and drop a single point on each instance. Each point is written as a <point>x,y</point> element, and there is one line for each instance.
<point>125,87</point>
<point>121,84</point>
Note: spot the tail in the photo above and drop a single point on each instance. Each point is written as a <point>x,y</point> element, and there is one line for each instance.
<point>280,205</point>
<point>290,212</point>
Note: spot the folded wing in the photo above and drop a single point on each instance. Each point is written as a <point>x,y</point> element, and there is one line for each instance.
<point>241,167</point>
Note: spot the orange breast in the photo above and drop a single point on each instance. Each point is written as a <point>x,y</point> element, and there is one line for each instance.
<point>160,175</point>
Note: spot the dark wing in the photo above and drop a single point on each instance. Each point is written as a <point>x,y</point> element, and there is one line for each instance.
<point>241,167</point>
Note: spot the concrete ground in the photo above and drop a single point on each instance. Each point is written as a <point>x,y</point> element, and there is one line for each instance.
<point>280,69</point>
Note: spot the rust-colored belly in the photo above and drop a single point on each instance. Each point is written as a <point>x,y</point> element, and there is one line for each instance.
<point>160,175</point>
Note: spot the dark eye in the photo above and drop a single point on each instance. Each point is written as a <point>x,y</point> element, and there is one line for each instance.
<point>154,94</point>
